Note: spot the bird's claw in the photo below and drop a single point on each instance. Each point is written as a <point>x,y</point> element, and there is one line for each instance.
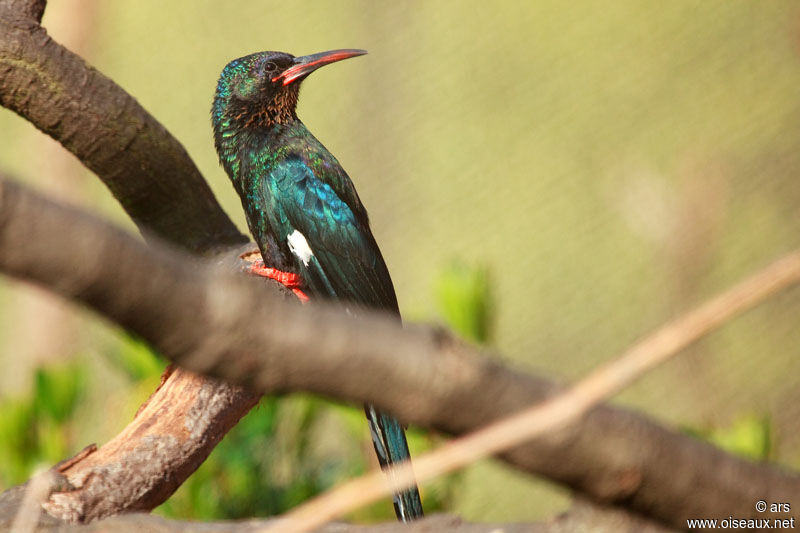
<point>290,280</point>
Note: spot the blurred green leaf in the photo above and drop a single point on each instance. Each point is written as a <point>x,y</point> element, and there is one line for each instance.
<point>36,427</point>
<point>57,389</point>
<point>16,417</point>
<point>464,300</point>
<point>137,359</point>
<point>264,466</point>
<point>52,443</point>
<point>749,436</point>
<point>17,450</point>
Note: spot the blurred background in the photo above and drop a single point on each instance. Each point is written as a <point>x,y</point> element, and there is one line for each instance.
<point>552,180</point>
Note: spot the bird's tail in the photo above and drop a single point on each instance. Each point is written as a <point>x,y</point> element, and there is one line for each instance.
<point>389,439</point>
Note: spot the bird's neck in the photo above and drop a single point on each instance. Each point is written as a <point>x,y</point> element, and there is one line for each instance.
<point>235,141</point>
<point>245,124</point>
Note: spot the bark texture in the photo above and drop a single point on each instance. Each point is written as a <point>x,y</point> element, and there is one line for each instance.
<point>147,170</point>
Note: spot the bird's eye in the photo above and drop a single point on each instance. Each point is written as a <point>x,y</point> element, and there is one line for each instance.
<point>270,67</point>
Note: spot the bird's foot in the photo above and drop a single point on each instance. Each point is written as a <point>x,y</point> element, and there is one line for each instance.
<point>290,280</point>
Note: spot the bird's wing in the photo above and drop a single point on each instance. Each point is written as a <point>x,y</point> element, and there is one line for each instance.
<point>338,257</point>
<point>334,249</point>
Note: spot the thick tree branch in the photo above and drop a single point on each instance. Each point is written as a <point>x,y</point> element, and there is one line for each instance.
<point>146,168</point>
<point>210,321</point>
<point>24,12</point>
<point>561,409</point>
<point>170,437</point>
<point>156,182</point>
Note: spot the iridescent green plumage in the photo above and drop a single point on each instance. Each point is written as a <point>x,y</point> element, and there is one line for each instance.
<point>301,206</point>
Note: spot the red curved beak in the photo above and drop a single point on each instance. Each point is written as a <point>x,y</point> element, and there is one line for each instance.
<point>305,65</point>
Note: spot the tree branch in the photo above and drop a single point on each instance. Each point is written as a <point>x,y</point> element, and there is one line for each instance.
<point>24,12</point>
<point>171,435</point>
<point>561,409</point>
<point>152,176</point>
<point>209,321</point>
<point>146,168</point>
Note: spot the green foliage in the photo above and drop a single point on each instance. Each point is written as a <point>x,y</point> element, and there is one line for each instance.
<point>17,455</point>
<point>266,465</point>
<point>748,436</point>
<point>463,298</point>
<point>137,360</point>
<point>35,428</point>
<point>57,390</point>
<point>284,452</point>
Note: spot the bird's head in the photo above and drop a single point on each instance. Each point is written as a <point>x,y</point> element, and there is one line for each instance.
<point>260,90</point>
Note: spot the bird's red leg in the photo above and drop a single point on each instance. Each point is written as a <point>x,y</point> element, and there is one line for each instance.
<point>290,280</point>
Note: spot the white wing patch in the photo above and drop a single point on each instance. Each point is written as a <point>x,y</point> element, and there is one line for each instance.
<point>299,246</point>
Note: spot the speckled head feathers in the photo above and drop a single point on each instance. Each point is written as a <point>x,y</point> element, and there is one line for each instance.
<point>247,96</point>
<point>261,89</point>
<point>257,94</point>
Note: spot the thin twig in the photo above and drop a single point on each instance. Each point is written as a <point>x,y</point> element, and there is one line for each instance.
<point>557,412</point>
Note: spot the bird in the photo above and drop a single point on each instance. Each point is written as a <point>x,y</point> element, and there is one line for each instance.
<point>303,210</point>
